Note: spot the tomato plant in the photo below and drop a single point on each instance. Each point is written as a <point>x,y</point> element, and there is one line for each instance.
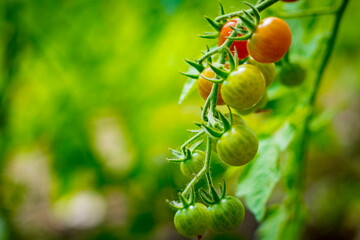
<point>270,40</point>
<point>226,76</point>
<point>191,166</point>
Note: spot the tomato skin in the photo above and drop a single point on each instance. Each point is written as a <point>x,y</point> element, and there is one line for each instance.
<point>267,69</point>
<point>291,75</point>
<point>261,104</point>
<point>193,220</point>
<point>225,32</point>
<point>237,146</point>
<point>270,40</point>
<point>244,87</point>
<point>192,166</point>
<point>204,86</point>
<point>226,214</point>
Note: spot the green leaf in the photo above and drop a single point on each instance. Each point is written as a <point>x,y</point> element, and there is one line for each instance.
<point>188,88</point>
<point>270,228</point>
<point>259,178</point>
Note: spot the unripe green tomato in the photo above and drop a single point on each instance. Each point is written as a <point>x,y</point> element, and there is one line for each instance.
<point>244,87</point>
<point>237,146</point>
<point>267,69</point>
<point>193,220</point>
<point>227,214</point>
<point>254,108</point>
<point>291,74</point>
<point>192,166</point>
<point>237,121</point>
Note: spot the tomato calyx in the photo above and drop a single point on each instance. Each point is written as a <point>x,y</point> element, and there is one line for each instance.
<point>185,154</point>
<point>184,203</point>
<point>214,132</point>
<point>213,197</point>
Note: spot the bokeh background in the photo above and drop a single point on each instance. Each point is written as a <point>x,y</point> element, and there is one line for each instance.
<point>89,95</point>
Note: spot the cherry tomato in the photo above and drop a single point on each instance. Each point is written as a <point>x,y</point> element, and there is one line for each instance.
<point>193,220</point>
<point>204,86</point>
<point>192,166</point>
<point>240,45</point>
<point>237,121</point>
<point>270,40</point>
<point>237,146</point>
<point>226,214</point>
<point>261,104</point>
<point>244,87</point>
<point>291,74</point>
<point>267,69</point>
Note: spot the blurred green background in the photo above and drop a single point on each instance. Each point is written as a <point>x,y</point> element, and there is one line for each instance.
<point>89,107</point>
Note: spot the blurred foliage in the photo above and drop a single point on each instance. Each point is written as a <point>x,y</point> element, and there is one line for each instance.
<point>88,110</point>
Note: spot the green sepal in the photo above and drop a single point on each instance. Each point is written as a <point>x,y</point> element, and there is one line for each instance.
<point>176,160</point>
<point>176,153</point>
<point>209,35</point>
<point>205,196</point>
<point>240,38</point>
<point>194,146</point>
<point>239,30</point>
<point>199,67</point>
<point>249,24</point>
<point>184,202</point>
<point>213,24</point>
<point>194,76</point>
<point>214,194</point>
<point>173,205</point>
<point>225,122</point>
<point>236,58</point>
<point>192,196</point>
<point>213,80</point>
<point>187,154</point>
<point>195,130</point>
<point>222,11</point>
<point>221,73</point>
<point>248,16</point>
<point>222,190</point>
<point>255,12</point>
<point>231,59</point>
<point>212,132</point>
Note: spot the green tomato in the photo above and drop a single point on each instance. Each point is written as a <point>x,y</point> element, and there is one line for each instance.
<point>237,121</point>
<point>237,146</point>
<point>267,69</point>
<point>244,87</point>
<point>291,74</point>
<point>254,108</point>
<point>193,220</point>
<point>227,214</point>
<point>192,166</point>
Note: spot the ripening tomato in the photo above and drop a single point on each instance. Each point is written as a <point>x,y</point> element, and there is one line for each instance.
<point>244,87</point>
<point>237,146</point>
<point>192,166</point>
<point>226,214</point>
<point>225,32</point>
<point>193,220</point>
<point>267,69</point>
<point>270,40</point>
<point>204,86</point>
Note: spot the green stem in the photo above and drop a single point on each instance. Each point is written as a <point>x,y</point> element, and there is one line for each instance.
<point>260,7</point>
<point>193,138</point>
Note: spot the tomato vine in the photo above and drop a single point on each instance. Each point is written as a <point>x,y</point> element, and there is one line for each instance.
<point>219,128</point>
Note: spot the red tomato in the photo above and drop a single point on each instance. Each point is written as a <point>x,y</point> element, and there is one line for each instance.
<point>270,40</point>
<point>240,45</point>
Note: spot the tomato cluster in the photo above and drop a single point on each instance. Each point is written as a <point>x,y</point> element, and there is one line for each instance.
<point>244,69</point>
